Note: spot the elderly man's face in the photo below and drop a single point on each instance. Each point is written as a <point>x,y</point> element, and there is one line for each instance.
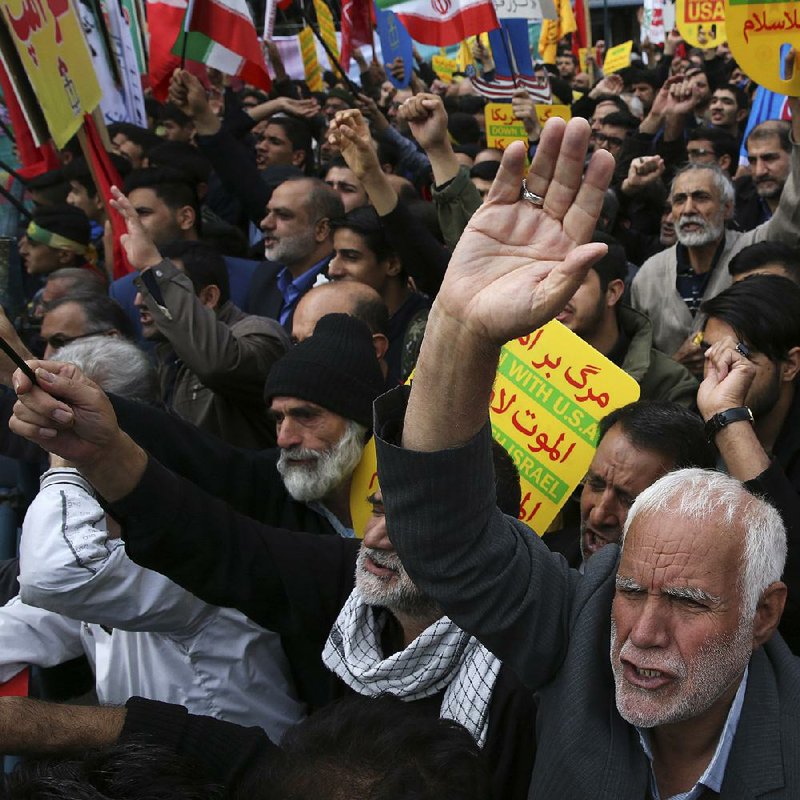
<point>679,643</point>
<point>697,208</point>
<point>319,450</point>
<point>380,576</point>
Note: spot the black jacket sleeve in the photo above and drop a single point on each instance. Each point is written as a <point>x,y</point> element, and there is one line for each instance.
<point>289,582</point>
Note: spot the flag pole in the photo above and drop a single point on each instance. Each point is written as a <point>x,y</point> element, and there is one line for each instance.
<point>331,57</point>
<point>512,62</point>
<point>187,24</point>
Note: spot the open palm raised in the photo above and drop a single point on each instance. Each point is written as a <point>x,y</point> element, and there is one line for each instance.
<point>516,265</point>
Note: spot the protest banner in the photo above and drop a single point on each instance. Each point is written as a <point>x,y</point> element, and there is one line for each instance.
<point>546,112</point>
<point>395,42</point>
<point>551,391</point>
<point>308,52</point>
<point>618,57</point>
<point>701,22</point>
<point>757,32</point>
<point>502,127</point>
<point>525,9</point>
<point>444,68</point>
<point>653,22</point>
<point>55,59</point>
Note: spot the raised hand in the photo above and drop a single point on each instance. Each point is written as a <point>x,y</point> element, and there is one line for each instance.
<point>427,120</point>
<point>350,133</point>
<point>728,377</point>
<point>516,265</point>
<point>643,172</point>
<point>139,246</point>
<point>525,111</point>
<point>611,84</point>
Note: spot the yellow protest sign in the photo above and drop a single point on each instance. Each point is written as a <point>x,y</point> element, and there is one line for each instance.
<point>545,112</point>
<point>327,28</point>
<point>502,127</point>
<point>618,57</point>
<point>49,39</point>
<point>551,391</point>
<point>308,52</point>
<point>444,68</point>
<point>756,32</point>
<point>582,58</point>
<point>701,22</point>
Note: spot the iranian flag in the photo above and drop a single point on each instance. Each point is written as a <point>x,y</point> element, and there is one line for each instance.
<point>443,22</point>
<point>221,35</point>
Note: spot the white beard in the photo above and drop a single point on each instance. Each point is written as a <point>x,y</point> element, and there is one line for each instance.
<point>710,231</point>
<point>331,468</point>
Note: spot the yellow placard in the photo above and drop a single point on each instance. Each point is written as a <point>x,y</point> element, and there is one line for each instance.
<point>502,127</point>
<point>327,28</point>
<point>618,57</point>
<point>756,32</point>
<point>49,39</point>
<point>551,391</point>
<point>701,22</point>
<point>582,58</point>
<point>545,112</point>
<point>444,68</point>
<point>308,52</point>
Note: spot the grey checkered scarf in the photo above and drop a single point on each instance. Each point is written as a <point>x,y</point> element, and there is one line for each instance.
<point>441,657</point>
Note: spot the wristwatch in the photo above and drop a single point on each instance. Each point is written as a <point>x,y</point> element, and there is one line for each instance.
<point>719,421</point>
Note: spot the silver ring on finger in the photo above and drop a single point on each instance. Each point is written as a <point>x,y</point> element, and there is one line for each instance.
<point>531,197</point>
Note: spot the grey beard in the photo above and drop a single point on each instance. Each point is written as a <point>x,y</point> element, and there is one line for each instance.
<point>711,233</point>
<point>333,467</point>
<point>401,597</point>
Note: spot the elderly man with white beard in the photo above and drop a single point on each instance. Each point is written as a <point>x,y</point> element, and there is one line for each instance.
<point>672,284</point>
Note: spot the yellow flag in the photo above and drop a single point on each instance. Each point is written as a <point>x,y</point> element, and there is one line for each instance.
<point>308,52</point>
<point>553,30</point>
<point>327,30</point>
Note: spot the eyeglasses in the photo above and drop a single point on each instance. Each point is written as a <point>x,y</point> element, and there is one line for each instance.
<point>614,141</point>
<point>58,340</point>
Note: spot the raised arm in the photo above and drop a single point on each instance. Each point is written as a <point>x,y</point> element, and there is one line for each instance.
<point>514,268</point>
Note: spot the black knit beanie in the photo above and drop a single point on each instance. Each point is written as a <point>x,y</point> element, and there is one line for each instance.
<point>336,368</point>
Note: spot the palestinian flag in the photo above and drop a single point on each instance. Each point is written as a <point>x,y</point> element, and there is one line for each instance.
<point>221,35</point>
<point>443,22</point>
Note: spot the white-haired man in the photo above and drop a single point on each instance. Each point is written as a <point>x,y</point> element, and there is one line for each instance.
<point>697,694</point>
<point>672,284</point>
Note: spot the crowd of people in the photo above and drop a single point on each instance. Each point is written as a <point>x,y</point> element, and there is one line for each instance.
<point>188,573</point>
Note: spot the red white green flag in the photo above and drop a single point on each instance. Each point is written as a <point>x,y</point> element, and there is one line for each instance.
<point>443,22</point>
<point>221,35</point>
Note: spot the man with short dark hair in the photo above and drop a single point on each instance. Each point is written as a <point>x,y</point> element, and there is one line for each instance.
<point>766,258</point>
<point>213,359</point>
<point>595,312</point>
<point>728,109</point>
<point>749,397</point>
<point>706,145</point>
<point>613,132</point>
<point>638,443</point>
<point>298,244</point>
<point>57,236</point>
<point>769,150</point>
<point>78,315</point>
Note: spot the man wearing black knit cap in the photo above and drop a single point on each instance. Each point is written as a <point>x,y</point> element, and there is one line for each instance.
<point>320,395</point>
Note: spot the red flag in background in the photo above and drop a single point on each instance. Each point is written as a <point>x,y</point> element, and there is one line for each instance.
<point>35,160</point>
<point>106,176</point>
<point>580,37</point>
<point>165,22</point>
<point>357,24</point>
